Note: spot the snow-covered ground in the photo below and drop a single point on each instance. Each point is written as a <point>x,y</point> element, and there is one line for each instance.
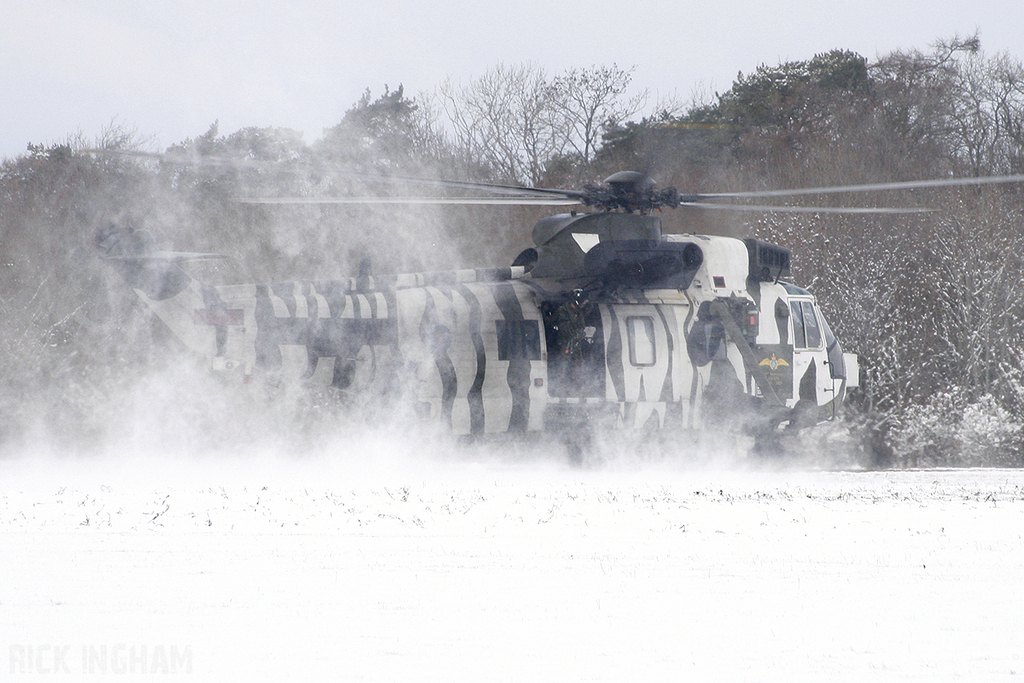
<point>477,568</point>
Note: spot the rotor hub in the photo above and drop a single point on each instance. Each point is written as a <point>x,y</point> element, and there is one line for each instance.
<point>629,191</point>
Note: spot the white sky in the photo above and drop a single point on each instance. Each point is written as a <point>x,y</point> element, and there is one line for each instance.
<point>169,69</point>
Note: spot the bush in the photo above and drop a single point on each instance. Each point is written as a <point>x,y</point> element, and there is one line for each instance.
<point>950,431</point>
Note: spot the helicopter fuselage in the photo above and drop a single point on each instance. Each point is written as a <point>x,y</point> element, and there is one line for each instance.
<point>633,330</point>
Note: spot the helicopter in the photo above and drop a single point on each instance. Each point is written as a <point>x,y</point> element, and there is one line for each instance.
<point>605,322</point>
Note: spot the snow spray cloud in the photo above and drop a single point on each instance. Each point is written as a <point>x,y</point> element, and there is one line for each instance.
<point>89,370</point>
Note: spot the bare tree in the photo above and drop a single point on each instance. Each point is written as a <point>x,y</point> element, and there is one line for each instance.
<point>589,102</point>
<point>503,121</point>
<point>957,103</point>
<point>520,125</point>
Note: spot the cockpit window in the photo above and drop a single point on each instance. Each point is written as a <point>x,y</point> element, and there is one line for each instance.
<point>806,331</point>
<point>799,338</point>
<point>811,325</point>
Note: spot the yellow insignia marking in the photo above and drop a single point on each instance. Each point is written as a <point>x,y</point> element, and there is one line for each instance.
<point>773,362</point>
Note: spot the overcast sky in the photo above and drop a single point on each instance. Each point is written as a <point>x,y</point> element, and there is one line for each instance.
<point>169,69</point>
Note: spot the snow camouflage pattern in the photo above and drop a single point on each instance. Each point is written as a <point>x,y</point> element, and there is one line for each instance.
<point>497,350</point>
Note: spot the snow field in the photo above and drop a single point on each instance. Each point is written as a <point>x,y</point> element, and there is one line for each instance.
<point>280,570</point>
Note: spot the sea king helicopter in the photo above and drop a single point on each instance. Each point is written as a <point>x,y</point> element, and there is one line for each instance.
<point>603,323</point>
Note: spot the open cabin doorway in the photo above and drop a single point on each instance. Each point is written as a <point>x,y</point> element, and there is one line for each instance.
<point>576,351</point>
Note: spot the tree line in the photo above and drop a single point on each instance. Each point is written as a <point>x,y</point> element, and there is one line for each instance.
<point>930,302</point>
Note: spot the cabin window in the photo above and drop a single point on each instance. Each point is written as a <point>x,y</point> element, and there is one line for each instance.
<point>642,351</point>
<point>518,339</point>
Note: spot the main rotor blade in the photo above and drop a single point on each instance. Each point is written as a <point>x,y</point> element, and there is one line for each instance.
<point>873,187</point>
<point>514,190</point>
<point>481,201</point>
<point>170,256</point>
<point>808,209</point>
<point>180,159</point>
<point>186,159</point>
<point>157,156</point>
